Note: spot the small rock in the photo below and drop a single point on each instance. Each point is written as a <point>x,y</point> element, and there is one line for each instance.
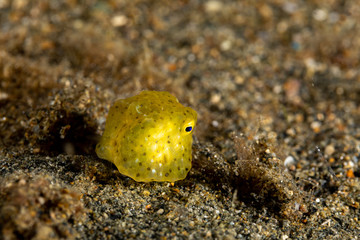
<point>315,126</point>
<point>320,15</point>
<point>329,150</point>
<point>119,21</point>
<point>160,211</point>
<point>289,161</point>
<point>213,6</point>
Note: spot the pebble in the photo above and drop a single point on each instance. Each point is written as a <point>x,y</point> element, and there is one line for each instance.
<point>320,15</point>
<point>289,161</point>
<point>160,211</point>
<point>213,6</point>
<point>316,126</point>
<point>329,150</point>
<point>119,20</point>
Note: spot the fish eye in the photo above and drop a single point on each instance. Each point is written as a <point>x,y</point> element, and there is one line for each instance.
<point>188,129</point>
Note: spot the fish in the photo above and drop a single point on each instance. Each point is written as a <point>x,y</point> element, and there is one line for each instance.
<point>149,137</point>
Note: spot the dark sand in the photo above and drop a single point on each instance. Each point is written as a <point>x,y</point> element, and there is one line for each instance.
<point>276,85</point>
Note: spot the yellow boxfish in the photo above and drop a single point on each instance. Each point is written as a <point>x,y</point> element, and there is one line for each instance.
<point>149,137</point>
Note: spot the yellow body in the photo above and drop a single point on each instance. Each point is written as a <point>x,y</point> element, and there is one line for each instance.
<point>149,137</point>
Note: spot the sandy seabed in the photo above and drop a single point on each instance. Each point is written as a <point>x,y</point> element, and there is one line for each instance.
<point>276,85</point>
